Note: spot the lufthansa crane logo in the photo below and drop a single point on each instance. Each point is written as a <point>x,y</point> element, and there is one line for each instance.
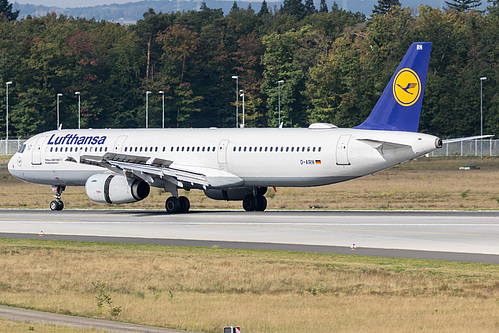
<point>406,87</point>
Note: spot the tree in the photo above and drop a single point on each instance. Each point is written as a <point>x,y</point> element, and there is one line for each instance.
<point>294,8</point>
<point>323,7</point>
<point>384,6</point>
<point>264,10</point>
<point>309,7</point>
<point>6,10</point>
<point>463,5</point>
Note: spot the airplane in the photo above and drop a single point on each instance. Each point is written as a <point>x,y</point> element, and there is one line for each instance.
<point>121,165</point>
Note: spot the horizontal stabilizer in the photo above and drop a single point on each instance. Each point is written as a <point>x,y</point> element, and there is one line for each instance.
<point>384,144</point>
<point>469,138</point>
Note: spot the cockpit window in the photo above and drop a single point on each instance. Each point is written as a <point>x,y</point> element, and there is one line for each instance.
<point>21,149</point>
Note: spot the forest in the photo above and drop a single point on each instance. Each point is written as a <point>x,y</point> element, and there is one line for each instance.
<point>333,66</point>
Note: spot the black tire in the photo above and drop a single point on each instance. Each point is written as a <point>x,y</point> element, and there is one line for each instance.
<point>262,203</point>
<point>250,203</point>
<point>185,205</point>
<point>54,205</point>
<point>172,205</point>
<point>60,205</point>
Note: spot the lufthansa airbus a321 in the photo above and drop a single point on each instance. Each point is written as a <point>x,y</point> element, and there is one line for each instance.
<point>120,165</point>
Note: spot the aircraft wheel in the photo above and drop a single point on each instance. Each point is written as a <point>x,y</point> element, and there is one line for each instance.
<point>172,205</point>
<point>185,205</point>
<point>250,203</point>
<point>262,203</point>
<point>56,205</point>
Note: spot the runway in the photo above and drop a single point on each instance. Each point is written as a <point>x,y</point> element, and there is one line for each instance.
<point>456,236</point>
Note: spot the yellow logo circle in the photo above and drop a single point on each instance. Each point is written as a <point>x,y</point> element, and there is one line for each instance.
<point>406,87</point>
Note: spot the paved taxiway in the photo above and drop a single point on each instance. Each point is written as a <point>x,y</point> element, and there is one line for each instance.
<point>459,236</point>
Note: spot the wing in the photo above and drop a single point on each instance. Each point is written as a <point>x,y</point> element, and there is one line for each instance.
<point>151,169</point>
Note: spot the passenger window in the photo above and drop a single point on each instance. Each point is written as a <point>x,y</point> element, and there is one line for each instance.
<point>105,148</point>
<point>302,148</point>
<point>244,149</point>
<point>320,149</point>
<point>261,148</point>
<point>51,148</point>
<point>213,149</point>
<point>287,149</point>
<point>313,149</point>
<point>182,148</point>
<point>145,149</point>
<point>198,149</point>
<point>178,148</point>
<point>292,149</point>
<point>271,149</point>
<point>86,149</point>
<point>140,149</point>
<point>308,149</point>
<point>249,149</point>
<point>187,149</point>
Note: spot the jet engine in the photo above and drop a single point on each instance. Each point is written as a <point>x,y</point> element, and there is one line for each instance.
<point>109,188</point>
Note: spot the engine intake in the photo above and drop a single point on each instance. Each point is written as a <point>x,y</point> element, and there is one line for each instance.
<point>109,188</point>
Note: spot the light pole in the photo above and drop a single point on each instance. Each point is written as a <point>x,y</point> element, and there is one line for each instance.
<point>147,108</point>
<point>242,95</point>
<point>279,85</point>
<point>163,103</point>
<point>237,99</point>
<point>7,120</point>
<point>481,116</point>
<point>79,112</point>
<point>58,95</point>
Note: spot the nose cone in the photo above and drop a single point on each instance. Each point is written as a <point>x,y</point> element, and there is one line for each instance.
<point>15,166</point>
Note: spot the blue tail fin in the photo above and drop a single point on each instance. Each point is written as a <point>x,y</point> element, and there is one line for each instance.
<point>399,108</point>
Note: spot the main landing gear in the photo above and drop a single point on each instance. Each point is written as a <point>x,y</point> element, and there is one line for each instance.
<point>256,203</point>
<point>57,204</point>
<point>175,205</point>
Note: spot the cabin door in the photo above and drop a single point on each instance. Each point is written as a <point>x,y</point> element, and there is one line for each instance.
<point>36,157</point>
<point>342,150</point>
<point>222,153</point>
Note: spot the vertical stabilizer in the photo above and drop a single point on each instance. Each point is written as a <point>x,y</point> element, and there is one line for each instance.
<point>399,108</point>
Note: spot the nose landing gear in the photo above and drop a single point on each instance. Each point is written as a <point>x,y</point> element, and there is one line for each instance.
<point>57,204</point>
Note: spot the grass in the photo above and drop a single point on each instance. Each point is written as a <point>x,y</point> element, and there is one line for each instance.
<point>204,289</point>
<point>13,326</point>
<point>427,183</point>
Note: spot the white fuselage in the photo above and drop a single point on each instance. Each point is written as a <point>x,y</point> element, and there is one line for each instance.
<point>260,157</point>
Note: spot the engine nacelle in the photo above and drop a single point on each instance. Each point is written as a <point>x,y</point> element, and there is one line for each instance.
<point>237,193</point>
<point>109,188</point>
